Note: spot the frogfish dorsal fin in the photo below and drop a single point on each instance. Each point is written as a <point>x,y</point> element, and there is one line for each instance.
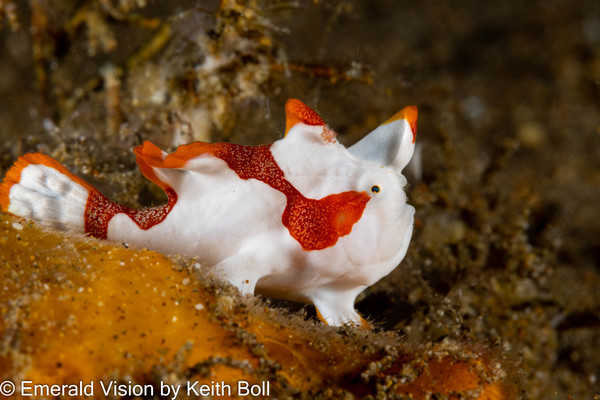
<point>149,155</point>
<point>392,143</point>
<point>410,114</point>
<point>298,112</point>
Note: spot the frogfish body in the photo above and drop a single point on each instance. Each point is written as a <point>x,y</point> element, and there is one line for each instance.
<point>303,218</point>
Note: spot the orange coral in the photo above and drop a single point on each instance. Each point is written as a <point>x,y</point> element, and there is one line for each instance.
<point>77,310</point>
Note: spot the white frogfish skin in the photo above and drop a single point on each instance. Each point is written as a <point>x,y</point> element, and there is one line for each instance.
<point>303,218</point>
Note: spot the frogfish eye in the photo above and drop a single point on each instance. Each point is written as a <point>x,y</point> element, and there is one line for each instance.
<point>375,189</point>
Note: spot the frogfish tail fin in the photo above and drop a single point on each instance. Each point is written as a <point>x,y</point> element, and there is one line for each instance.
<point>38,187</point>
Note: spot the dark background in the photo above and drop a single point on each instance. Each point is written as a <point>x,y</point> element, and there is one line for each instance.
<point>505,249</point>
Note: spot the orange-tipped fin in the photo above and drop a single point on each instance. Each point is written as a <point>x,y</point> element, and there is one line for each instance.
<point>13,176</point>
<point>410,114</point>
<point>296,111</point>
<point>149,155</point>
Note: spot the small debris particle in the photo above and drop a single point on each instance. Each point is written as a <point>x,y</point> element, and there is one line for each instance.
<point>531,135</point>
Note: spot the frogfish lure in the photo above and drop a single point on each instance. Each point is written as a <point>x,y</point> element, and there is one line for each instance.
<point>303,218</point>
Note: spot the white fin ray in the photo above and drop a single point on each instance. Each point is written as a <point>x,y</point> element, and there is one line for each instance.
<point>49,197</point>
